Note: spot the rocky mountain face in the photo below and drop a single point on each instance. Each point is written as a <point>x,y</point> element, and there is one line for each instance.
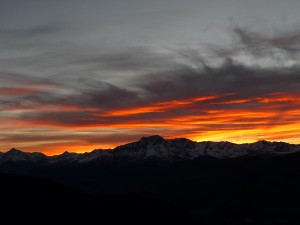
<point>157,148</point>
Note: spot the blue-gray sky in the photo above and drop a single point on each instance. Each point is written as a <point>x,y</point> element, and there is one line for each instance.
<point>76,75</point>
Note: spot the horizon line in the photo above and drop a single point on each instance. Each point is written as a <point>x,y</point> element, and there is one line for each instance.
<point>113,148</point>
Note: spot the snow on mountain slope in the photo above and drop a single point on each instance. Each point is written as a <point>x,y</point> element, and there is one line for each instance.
<point>14,155</point>
<point>156,147</point>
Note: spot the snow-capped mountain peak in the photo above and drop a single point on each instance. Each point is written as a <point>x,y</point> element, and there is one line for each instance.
<point>15,155</point>
<point>156,147</point>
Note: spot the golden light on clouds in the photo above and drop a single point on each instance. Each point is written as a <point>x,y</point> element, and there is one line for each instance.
<point>275,117</point>
<point>81,100</point>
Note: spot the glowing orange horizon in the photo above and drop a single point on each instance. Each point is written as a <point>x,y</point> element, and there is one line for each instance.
<point>275,117</point>
<point>56,149</point>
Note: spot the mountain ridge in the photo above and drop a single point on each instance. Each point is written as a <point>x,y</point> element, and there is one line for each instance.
<point>156,147</point>
<point>215,183</point>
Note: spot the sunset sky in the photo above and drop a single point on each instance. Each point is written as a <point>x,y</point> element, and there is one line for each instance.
<point>79,75</point>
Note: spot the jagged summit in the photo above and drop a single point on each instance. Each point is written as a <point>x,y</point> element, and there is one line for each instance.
<point>14,151</point>
<point>15,155</point>
<point>154,139</point>
<point>156,147</point>
<point>66,153</point>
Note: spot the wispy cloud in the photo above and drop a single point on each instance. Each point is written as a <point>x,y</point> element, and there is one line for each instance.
<point>223,93</point>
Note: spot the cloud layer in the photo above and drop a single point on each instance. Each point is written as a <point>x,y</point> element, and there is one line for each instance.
<point>58,100</point>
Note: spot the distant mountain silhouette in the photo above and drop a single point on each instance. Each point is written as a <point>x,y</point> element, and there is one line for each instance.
<point>159,181</point>
<point>158,148</point>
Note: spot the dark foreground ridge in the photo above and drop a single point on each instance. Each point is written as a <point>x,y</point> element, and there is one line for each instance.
<point>28,200</point>
<point>157,181</point>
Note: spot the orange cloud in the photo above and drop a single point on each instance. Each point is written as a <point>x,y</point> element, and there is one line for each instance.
<point>272,117</point>
<point>16,91</point>
<point>29,89</point>
<point>160,106</point>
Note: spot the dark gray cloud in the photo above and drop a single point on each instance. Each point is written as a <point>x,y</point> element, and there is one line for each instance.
<point>187,75</point>
<point>140,59</point>
<point>158,89</point>
<point>288,41</point>
<point>166,65</point>
<point>30,40</point>
<point>17,79</point>
<point>276,46</point>
<point>30,32</point>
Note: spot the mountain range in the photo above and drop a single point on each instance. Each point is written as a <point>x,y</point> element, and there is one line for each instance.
<point>157,181</point>
<point>157,148</point>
